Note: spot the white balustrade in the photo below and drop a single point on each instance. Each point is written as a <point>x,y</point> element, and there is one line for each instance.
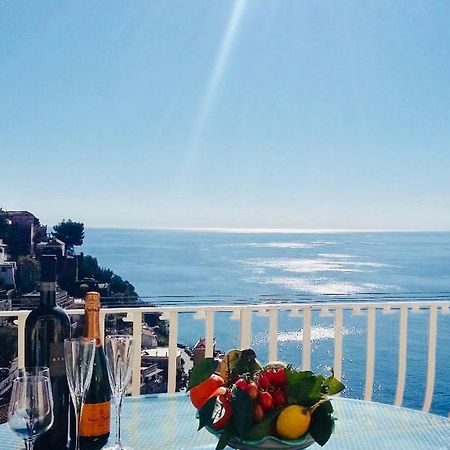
<point>304,311</point>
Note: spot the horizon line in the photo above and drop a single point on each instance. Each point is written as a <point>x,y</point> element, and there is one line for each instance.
<point>250,230</point>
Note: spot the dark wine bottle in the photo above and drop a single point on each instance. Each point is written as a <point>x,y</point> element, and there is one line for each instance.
<point>96,412</point>
<point>46,328</point>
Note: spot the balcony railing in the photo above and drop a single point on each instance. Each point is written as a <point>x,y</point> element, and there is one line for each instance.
<point>335,313</point>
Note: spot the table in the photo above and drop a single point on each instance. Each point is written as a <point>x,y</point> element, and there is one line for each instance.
<point>163,422</point>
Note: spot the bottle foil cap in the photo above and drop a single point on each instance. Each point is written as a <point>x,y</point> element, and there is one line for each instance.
<point>92,301</point>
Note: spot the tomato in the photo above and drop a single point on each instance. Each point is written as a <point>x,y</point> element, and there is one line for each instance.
<point>279,398</point>
<point>242,384</point>
<point>278,377</point>
<point>266,400</point>
<point>252,390</point>
<point>222,413</point>
<point>202,392</point>
<point>264,380</point>
<point>258,413</point>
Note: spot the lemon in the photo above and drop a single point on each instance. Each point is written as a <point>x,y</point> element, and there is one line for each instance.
<point>293,422</point>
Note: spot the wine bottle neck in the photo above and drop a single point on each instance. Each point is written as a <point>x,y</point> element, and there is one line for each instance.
<point>47,293</point>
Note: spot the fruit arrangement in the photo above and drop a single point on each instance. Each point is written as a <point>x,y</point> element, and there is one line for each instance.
<point>246,404</point>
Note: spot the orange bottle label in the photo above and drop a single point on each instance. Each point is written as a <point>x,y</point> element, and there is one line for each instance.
<point>95,419</point>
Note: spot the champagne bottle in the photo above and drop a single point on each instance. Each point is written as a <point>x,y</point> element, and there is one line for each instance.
<point>46,328</point>
<point>96,412</point>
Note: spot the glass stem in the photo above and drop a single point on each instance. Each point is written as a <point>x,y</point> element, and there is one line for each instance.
<point>77,423</point>
<point>118,412</point>
<point>29,444</point>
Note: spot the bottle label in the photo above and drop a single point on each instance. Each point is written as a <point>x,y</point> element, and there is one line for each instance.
<point>95,419</point>
<point>56,361</point>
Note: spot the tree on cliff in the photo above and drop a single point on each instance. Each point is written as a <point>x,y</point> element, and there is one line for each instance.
<point>71,233</point>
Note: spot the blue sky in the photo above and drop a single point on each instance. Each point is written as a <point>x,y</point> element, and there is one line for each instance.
<point>278,114</point>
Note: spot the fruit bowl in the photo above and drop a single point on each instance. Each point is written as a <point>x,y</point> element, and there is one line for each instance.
<point>268,442</point>
<point>248,406</point>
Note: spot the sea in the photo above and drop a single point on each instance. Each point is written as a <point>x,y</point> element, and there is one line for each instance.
<point>190,267</point>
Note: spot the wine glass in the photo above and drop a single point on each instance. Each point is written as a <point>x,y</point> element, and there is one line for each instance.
<point>119,355</point>
<point>79,357</point>
<point>30,411</point>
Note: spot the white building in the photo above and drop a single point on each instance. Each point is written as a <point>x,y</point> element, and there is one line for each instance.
<point>7,269</point>
<point>159,356</point>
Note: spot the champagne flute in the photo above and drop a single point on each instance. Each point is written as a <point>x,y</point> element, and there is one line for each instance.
<point>79,357</point>
<point>119,355</point>
<point>30,411</point>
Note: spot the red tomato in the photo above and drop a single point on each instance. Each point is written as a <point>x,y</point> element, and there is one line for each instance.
<point>252,390</point>
<point>278,377</point>
<point>258,413</point>
<point>264,380</point>
<point>222,413</point>
<point>242,384</point>
<point>266,400</point>
<point>279,398</point>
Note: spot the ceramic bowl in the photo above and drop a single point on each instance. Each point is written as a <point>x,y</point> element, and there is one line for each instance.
<point>268,442</point>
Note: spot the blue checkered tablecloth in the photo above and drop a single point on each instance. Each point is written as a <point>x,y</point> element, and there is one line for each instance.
<point>163,422</point>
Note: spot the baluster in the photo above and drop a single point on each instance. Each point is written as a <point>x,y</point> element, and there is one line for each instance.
<point>432,330</point>
<point>136,318</point>
<point>402,349</point>
<point>209,333</point>
<point>338,340</point>
<point>173,348</point>
<point>21,318</point>
<point>370,357</point>
<point>245,328</point>
<point>102,324</point>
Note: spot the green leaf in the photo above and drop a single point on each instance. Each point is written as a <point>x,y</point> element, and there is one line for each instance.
<point>293,375</point>
<point>202,371</point>
<point>333,386</point>
<point>322,423</point>
<point>304,388</point>
<point>262,428</point>
<point>242,406</point>
<point>205,413</point>
<point>225,437</point>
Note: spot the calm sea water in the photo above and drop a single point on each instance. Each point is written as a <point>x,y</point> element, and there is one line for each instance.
<point>228,267</point>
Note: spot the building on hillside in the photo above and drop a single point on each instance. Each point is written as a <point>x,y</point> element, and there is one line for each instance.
<point>7,269</point>
<point>22,218</point>
<point>152,380</point>
<point>200,348</point>
<point>160,356</point>
<point>30,224</point>
<point>51,246</point>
